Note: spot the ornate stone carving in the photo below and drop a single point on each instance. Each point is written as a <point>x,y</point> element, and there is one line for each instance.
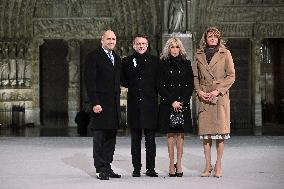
<point>8,95</point>
<point>248,13</point>
<point>74,8</point>
<point>81,28</point>
<point>236,29</point>
<point>267,30</point>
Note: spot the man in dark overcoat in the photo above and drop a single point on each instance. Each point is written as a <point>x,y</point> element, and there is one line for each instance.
<point>139,75</point>
<point>102,79</point>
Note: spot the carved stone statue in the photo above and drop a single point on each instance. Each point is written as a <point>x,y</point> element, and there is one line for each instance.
<point>28,66</point>
<point>4,67</point>
<point>176,16</point>
<point>74,8</point>
<point>73,58</point>
<point>13,64</point>
<point>21,64</point>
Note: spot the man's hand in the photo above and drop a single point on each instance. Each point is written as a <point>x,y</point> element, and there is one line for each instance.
<point>97,109</point>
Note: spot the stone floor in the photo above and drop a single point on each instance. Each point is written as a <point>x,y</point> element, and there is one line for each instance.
<point>66,162</point>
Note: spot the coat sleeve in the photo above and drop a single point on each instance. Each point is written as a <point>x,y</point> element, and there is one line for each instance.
<point>223,85</point>
<point>163,91</point>
<point>189,89</point>
<point>123,75</point>
<point>90,79</point>
<point>195,76</point>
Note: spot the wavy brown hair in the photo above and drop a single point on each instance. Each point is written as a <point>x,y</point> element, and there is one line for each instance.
<point>166,50</point>
<point>216,32</point>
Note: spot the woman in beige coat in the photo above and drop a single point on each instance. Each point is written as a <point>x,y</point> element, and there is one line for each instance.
<point>214,74</point>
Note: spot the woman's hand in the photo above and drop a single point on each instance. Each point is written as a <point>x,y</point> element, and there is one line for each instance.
<point>214,93</point>
<point>214,96</point>
<point>204,96</point>
<point>177,106</point>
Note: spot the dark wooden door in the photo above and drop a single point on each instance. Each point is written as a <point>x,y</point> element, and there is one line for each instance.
<point>272,81</point>
<point>240,91</point>
<point>54,84</point>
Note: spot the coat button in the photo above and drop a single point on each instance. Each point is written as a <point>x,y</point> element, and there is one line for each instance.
<point>164,85</point>
<point>179,71</point>
<point>139,78</point>
<point>140,99</point>
<point>179,85</point>
<point>171,71</point>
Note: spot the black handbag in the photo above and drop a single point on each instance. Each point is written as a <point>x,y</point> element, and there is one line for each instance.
<point>176,120</point>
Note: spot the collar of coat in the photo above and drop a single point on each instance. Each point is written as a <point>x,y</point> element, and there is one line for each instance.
<point>201,57</point>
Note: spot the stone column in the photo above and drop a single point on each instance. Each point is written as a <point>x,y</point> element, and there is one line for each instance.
<point>31,56</point>
<point>73,59</point>
<point>35,79</point>
<point>256,93</point>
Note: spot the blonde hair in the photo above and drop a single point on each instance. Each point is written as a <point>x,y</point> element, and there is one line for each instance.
<point>166,50</point>
<point>216,32</point>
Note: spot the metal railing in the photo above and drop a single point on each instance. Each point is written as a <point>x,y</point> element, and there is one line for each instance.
<point>12,117</point>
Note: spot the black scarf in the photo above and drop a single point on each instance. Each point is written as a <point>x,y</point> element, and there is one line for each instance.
<point>140,57</point>
<point>176,59</point>
<point>209,52</point>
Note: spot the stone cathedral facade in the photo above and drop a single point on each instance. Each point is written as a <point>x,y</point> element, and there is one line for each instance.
<point>43,45</point>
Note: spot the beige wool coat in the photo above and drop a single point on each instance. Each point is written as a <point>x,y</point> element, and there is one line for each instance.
<point>218,74</point>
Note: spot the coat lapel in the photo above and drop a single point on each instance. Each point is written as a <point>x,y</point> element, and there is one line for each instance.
<point>201,57</point>
<point>218,55</point>
<point>106,58</point>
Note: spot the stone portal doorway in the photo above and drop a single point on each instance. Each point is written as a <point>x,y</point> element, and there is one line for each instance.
<point>53,85</point>
<point>272,83</point>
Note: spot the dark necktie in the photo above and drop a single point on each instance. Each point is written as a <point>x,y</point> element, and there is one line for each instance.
<point>110,56</point>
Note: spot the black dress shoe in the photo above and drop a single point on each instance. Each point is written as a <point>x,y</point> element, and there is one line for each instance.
<point>151,173</point>
<point>102,176</point>
<point>136,173</point>
<point>112,174</point>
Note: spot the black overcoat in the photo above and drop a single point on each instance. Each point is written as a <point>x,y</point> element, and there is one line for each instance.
<point>175,84</point>
<point>102,81</point>
<point>139,75</point>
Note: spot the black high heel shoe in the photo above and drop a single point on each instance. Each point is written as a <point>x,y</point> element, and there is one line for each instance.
<point>178,174</point>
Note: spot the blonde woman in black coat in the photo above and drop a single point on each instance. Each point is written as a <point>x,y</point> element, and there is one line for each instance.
<point>175,88</point>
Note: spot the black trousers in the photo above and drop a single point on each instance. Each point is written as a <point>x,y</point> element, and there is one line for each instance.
<point>150,145</point>
<point>103,149</point>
